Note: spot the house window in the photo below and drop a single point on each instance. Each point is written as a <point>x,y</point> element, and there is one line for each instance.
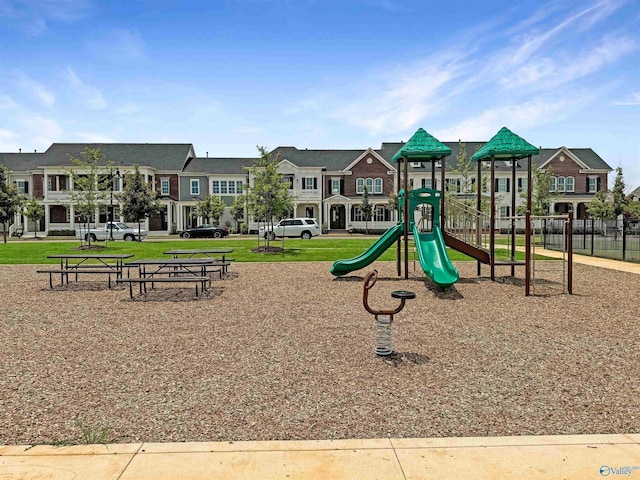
<point>505,211</point>
<point>309,183</point>
<point>288,179</point>
<point>23,186</point>
<point>453,185</point>
<point>49,184</point>
<point>164,186</point>
<point>359,185</point>
<point>195,187</point>
<point>570,185</point>
<point>223,187</point>
<point>502,185</point>
<point>522,184</point>
<point>215,187</point>
<point>377,186</point>
<point>239,186</point>
<point>425,183</point>
<point>357,214</point>
<point>335,186</point>
<point>552,184</point>
<point>592,184</point>
<point>560,184</point>
<point>232,187</point>
<point>369,183</point>
<point>381,214</point>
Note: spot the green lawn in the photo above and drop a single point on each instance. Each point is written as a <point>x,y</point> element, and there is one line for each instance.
<point>321,249</point>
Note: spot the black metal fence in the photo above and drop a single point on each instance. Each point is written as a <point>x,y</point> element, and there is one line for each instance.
<point>615,239</point>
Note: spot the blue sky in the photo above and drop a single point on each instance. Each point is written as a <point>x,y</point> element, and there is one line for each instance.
<point>227,75</point>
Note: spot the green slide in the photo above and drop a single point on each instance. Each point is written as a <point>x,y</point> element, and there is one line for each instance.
<point>433,257</point>
<point>342,267</point>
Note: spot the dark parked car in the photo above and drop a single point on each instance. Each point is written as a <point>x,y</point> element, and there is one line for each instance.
<point>208,231</point>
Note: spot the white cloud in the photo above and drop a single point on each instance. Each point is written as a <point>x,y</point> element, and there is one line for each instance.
<point>547,74</point>
<point>391,105</point>
<point>119,44</point>
<point>37,90</point>
<point>7,102</point>
<point>632,100</point>
<point>47,127</point>
<point>589,16</point>
<point>518,117</point>
<point>91,96</point>
<point>129,109</point>
<point>88,137</point>
<point>7,135</point>
<point>35,15</point>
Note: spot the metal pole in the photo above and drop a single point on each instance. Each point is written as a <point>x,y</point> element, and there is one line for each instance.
<point>406,217</point>
<point>513,213</point>
<point>492,216</point>
<point>111,207</point>
<point>479,220</point>
<point>624,239</point>
<point>442,195</point>
<point>592,234</point>
<point>398,242</point>
<point>570,255</point>
<point>527,250</point>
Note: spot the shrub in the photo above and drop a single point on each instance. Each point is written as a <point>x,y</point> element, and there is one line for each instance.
<point>61,233</point>
<point>372,231</point>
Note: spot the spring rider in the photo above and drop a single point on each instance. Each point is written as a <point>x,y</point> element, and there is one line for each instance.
<point>384,318</point>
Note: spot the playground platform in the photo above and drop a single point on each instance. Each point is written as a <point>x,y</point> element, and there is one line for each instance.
<point>528,457</point>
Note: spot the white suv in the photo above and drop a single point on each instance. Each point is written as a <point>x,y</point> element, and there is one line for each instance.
<point>304,228</point>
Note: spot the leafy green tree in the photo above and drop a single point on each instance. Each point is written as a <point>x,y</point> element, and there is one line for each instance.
<point>34,211</point>
<point>10,201</point>
<point>632,209</point>
<point>601,207</point>
<point>138,199</point>
<point>90,184</point>
<point>237,210</point>
<point>268,196</point>
<point>465,169</point>
<point>541,196</point>
<point>211,207</point>
<point>619,199</point>
<point>366,209</point>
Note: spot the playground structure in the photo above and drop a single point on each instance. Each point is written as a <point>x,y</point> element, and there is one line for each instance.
<point>459,225</point>
<point>384,318</point>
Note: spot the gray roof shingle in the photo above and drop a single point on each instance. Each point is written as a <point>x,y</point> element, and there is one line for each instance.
<point>220,166</point>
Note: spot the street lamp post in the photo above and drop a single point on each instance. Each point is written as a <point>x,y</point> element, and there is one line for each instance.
<point>111,177</point>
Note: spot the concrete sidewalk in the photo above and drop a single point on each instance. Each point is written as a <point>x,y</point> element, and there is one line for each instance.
<point>593,261</point>
<point>544,457</point>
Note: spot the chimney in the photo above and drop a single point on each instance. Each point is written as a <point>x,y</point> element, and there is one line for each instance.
<point>207,154</point>
<point>19,150</point>
<point>35,151</point>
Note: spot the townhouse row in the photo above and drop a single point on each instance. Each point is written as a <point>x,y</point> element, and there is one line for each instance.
<point>325,184</point>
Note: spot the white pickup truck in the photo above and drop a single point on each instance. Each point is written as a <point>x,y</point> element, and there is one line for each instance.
<point>121,231</point>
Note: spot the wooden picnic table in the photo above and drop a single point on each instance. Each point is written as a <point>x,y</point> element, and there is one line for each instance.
<point>177,270</point>
<point>213,253</point>
<point>95,263</point>
<point>207,252</point>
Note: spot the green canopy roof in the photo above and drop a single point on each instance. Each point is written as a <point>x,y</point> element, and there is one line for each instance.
<point>422,146</point>
<point>505,144</point>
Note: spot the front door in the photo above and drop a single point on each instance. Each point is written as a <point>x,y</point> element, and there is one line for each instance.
<point>338,218</point>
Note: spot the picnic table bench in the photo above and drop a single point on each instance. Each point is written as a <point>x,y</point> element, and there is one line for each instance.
<point>193,270</point>
<point>218,255</point>
<point>103,264</point>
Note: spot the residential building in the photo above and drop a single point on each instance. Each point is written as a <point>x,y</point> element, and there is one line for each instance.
<point>325,184</point>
